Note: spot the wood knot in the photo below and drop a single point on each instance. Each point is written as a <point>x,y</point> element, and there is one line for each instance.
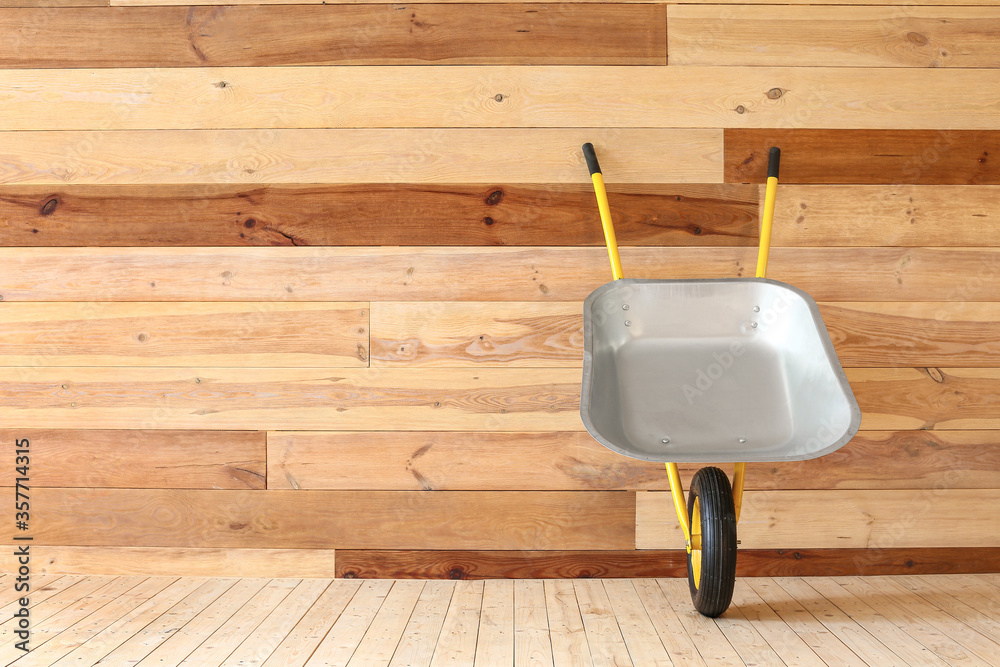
<point>916,38</point>
<point>741,109</point>
<point>498,97</point>
<point>775,93</point>
<point>935,374</point>
<point>697,231</point>
<point>221,84</point>
<point>488,221</point>
<point>494,198</point>
<point>456,573</point>
<point>49,207</point>
<point>350,575</point>
<point>142,338</point>
<point>250,223</point>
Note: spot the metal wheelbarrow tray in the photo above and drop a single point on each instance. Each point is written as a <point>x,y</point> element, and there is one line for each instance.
<point>737,369</point>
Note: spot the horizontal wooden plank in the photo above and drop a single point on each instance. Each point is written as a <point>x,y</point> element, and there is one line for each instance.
<point>360,34</point>
<point>886,215</point>
<point>937,398</point>
<point>914,334</point>
<point>866,334</point>
<point>457,564</point>
<point>451,334</point>
<point>137,3</point>
<point>265,334</point>
<point>508,274</point>
<point>281,399</point>
<point>942,157</point>
<point>140,458</point>
<point>813,36</point>
<point>499,96</point>
<point>480,399</point>
<point>837,519</point>
<point>333,519</point>
<point>659,563</point>
<point>573,461</point>
<point>376,214</point>
<point>52,4</point>
<point>423,155</point>
<point>187,562</point>
<point>926,398</point>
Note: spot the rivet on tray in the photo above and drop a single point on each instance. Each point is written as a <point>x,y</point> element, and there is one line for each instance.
<point>753,325</point>
<point>625,307</point>
<point>628,323</point>
<point>665,441</point>
<point>742,440</point>
<point>756,309</point>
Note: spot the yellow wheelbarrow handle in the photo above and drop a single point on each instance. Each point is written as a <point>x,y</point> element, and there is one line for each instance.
<point>604,208</point>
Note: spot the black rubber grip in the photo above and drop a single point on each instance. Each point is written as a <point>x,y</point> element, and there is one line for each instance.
<point>592,164</point>
<point>773,158</point>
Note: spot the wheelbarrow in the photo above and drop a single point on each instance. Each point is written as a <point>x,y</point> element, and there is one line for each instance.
<point>726,369</point>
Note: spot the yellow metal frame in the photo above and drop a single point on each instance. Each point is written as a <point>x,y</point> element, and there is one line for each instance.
<point>739,474</point>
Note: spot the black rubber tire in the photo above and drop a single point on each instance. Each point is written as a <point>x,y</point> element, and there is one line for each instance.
<point>714,592</point>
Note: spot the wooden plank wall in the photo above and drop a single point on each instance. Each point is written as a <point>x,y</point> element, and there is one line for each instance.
<point>293,289</point>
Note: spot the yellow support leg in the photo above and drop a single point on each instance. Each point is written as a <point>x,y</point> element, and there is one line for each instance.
<point>738,476</point>
<point>677,492</point>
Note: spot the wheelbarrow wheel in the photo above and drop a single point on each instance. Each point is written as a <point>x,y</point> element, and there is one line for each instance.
<point>712,568</point>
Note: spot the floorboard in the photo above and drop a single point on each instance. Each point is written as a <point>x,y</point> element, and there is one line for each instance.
<point>905,620</point>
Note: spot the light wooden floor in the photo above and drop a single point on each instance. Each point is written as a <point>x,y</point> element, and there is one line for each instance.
<point>908,620</point>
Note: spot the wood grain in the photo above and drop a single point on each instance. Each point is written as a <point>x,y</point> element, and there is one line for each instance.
<point>927,398</point>
<point>509,274</point>
<point>573,461</point>
<point>477,334</point>
<point>135,458</point>
<point>886,215</point>
<point>332,519</point>
<point>185,561</point>
<point>865,334</point>
<point>484,399</point>
<point>812,36</point>
<point>914,334</point>
<point>458,564</point>
<point>281,399</point>
<point>51,4</point>
<point>520,33</point>
<point>438,155</point>
<point>875,519</point>
<point>575,96</point>
<point>82,333</point>
<point>942,157</point>
<point>375,214</point>
<point>298,646</point>
<point>138,3</point>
